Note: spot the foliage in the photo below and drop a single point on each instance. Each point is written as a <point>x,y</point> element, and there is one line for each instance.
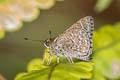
<point>107,52</point>
<point>25,10</point>
<point>36,71</point>
<point>46,4</point>
<point>106,59</point>
<point>17,11</point>
<point>61,71</point>
<point>102,5</point>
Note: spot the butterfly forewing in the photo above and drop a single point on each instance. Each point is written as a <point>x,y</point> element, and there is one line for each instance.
<point>76,41</point>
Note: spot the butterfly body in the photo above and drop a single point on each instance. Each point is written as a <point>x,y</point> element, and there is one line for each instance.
<point>75,42</point>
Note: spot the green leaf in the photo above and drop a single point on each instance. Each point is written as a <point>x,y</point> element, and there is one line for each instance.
<point>102,5</point>
<point>26,11</point>
<point>2,32</point>
<point>107,60</point>
<point>97,75</point>
<point>34,75</point>
<point>35,64</point>
<point>20,75</point>
<point>59,0</point>
<point>46,4</point>
<point>106,35</point>
<point>2,0</point>
<point>107,51</point>
<point>5,0</point>
<point>77,71</point>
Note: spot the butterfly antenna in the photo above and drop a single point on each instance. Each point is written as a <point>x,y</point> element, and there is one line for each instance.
<point>33,40</point>
<point>50,33</point>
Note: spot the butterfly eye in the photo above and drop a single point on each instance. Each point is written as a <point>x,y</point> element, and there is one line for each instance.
<point>46,43</point>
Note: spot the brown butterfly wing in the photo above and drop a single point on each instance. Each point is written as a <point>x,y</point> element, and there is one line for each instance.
<point>76,41</point>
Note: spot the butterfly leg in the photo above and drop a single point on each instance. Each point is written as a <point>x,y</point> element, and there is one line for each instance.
<point>70,60</point>
<point>85,58</point>
<point>44,57</point>
<point>49,60</point>
<point>58,59</point>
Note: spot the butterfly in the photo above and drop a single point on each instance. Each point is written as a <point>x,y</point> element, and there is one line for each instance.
<point>75,42</point>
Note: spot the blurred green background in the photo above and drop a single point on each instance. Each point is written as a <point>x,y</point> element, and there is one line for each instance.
<point>15,52</point>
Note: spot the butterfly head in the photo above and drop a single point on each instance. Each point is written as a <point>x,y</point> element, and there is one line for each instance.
<point>48,42</point>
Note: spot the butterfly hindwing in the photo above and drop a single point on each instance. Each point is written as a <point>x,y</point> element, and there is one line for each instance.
<point>76,41</point>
